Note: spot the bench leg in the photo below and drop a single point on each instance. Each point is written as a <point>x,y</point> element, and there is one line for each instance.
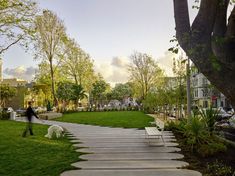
<point>147,136</point>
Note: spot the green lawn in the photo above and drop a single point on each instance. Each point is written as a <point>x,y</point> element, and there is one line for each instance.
<point>126,119</point>
<point>33,155</point>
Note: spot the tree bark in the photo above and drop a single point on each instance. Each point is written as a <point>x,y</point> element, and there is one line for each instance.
<point>209,43</point>
<point>53,83</point>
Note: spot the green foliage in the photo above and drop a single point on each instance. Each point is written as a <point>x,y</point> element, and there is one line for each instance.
<point>4,115</point>
<point>178,126</point>
<point>33,155</point>
<point>150,102</point>
<point>65,91</point>
<point>218,168</point>
<point>211,148</point>
<point>175,48</point>
<point>78,65</point>
<point>16,22</point>
<point>98,90</point>
<point>197,136</point>
<point>145,74</point>
<point>50,33</point>
<point>69,91</point>
<point>209,116</point>
<point>77,92</point>
<point>6,92</point>
<point>195,132</point>
<point>120,91</point>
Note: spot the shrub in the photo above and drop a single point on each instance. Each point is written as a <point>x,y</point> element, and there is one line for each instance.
<point>209,117</point>
<point>195,132</point>
<point>4,115</point>
<point>219,169</point>
<point>197,136</point>
<point>211,148</point>
<point>178,126</point>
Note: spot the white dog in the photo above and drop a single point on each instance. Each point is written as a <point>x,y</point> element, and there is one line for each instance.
<point>58,130</point>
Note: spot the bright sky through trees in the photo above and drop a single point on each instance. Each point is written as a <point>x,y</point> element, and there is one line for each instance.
<point>106,29</point>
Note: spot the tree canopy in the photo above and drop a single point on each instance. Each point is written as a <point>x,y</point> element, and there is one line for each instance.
<point>50,35</point>
<point>144,73</point>
<point>16,22</point>
<point>6,92</point>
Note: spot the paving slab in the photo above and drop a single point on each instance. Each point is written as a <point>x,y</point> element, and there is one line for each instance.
<point>131,164</point>
<point>117,137</point>
<point>131,156</point>
<point>141,149</point>
<point>107,145</point>
<point>115,140</point>
<point>149,172</point>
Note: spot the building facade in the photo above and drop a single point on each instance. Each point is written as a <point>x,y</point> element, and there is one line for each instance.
<point>14,82</point>
<point>204,94</point>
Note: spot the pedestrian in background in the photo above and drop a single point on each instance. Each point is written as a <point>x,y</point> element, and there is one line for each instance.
<point>29,114</point>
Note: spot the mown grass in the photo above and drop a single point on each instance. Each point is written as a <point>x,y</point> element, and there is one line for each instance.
<point>126,119</point>
<point>33,155</point>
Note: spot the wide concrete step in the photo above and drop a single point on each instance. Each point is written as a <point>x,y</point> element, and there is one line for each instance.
<point>113,140</point>
<point>131,156</point>
<point>107,145</point>
<point>140,149</point>
<point>130,164</point>
<point>119,132</point>
<point>118,137</point>
<point>139,172</point>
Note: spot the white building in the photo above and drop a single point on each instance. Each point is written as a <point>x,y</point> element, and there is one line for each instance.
<point>203,93</point>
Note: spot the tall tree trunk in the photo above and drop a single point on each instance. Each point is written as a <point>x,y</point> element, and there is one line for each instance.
<point>53,83</point>
<point>207,44</point>
<point>76,80</point>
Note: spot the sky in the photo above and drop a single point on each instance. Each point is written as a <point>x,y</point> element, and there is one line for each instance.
<point>109,31</point>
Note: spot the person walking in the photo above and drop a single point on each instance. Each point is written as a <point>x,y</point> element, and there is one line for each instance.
<point>29,114</point>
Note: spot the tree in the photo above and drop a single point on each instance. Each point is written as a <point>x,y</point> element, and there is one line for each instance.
<point>121,91</point>
<point>78,65</point>
<point>179,69</point>
<point>210,41</point>
<point>64,92</point>
<point>98,90</point>
<point>78,93</point>
<point>144,73</point>
<point>68,91</point>
<point>6,92</point>
<point>16,22</point>
<point>50,35</point>
<point>42,90</point>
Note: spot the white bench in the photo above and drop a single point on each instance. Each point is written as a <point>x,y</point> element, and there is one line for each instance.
<point>155,131</point>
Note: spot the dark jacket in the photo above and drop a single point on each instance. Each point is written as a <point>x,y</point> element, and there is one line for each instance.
<point>30,113</point>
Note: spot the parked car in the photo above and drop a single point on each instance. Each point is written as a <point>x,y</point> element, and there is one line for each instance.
<point>222,114</point>
<point>231,111</point>
<point>21,111</point>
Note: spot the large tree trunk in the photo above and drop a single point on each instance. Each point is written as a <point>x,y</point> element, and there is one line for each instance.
<point>209,42</point>
<point>53,83</point>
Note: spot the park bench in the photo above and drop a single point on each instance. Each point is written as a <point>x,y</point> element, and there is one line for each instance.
<point>152,132</point>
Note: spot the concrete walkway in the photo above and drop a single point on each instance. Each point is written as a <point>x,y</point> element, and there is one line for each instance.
<point>123,152</point>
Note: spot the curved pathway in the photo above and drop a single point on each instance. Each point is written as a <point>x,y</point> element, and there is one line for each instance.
<point>123,152</point>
